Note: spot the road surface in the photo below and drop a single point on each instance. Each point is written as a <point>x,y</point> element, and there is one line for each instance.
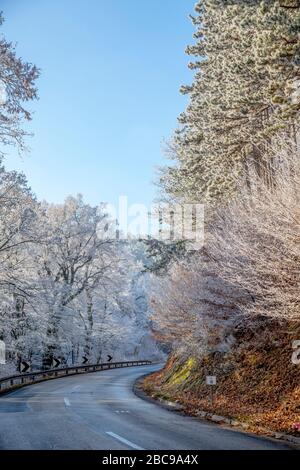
<point>100,411</point>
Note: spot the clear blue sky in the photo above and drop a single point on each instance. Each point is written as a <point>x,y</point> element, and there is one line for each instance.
<point>109,92</point>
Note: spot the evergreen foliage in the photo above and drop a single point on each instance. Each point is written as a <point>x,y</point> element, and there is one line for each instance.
<point>245,90</point>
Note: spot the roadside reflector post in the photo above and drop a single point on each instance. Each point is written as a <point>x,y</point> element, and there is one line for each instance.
<point>211,381</point>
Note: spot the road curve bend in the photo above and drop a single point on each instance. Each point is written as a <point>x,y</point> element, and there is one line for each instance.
<point>101,411</point>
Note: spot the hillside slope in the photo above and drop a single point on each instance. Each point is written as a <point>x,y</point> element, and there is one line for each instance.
<point>257,382</point>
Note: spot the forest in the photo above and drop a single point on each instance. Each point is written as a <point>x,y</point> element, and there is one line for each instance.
<point>230,308</point>
<point>65,292</point>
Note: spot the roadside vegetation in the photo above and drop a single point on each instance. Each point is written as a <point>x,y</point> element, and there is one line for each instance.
<point>232,309</point>
<point>64,291</point>
<point>229,309</point>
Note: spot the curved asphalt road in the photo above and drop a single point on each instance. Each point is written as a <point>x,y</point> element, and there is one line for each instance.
<point>100,411</point>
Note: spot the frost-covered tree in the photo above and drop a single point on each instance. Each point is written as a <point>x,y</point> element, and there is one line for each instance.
<point>17,227</point>
<point>255,243</point>
<point>245,90</point>
<point>74,294</point>
<point>194,309</point>
<point>64,289</point>
<point>70,260</point>
<point>17,87</point>
<point>18,230</point>
<point>246,276</point>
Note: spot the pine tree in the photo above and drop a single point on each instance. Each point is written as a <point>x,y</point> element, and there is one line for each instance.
<point>245,90</point>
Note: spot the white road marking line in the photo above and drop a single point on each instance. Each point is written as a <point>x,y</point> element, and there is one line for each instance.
<point>67,402</point>
<point>124,441</point>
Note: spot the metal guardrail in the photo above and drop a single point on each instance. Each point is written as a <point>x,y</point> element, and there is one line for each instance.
<point>20,380</point>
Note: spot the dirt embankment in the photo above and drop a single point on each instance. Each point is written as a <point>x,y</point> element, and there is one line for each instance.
<point>257,383</point>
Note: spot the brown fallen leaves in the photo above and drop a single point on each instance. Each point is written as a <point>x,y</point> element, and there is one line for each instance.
<point>257,382</point>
